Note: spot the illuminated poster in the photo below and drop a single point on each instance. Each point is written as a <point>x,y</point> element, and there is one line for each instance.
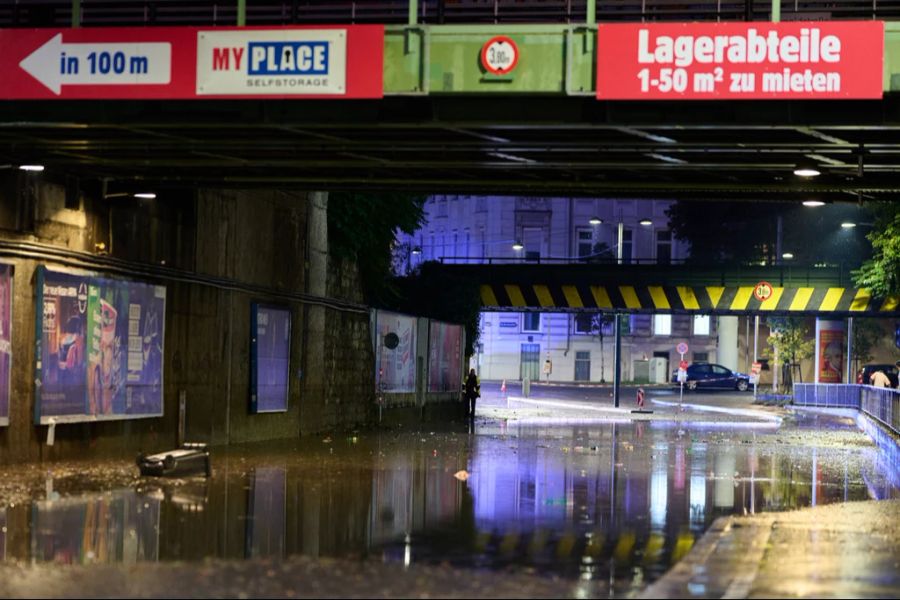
<point>830,347</point>
<point>270,352</point>
<point>444,347</point>
<point>62,364</point>
<point>100,344</point>
<point>395,367</point>
<point>146,314</point>
<point>5,340</point>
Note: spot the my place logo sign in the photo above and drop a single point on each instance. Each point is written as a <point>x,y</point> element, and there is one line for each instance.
<point>695,61</point>
<point>272,62</point>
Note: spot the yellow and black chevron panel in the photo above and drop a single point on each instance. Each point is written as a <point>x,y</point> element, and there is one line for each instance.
<point>703,299</point>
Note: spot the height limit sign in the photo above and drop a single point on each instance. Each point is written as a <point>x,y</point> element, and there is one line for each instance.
<point>499,55</point>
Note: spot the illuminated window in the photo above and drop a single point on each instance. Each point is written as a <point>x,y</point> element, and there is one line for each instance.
<point>701,324</point>
<point>662,324</point>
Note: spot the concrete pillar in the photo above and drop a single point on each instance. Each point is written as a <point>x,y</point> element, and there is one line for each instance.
<point>830,347</point>
<point>727,331</point>
<point>317,284</point>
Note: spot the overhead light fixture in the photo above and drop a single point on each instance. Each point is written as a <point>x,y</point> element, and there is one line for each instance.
<point>848,225</point>
<point>646,222</point>
<point>813,203</point>
<point>145,195</point>
<point>417,250</point>
<point>787,255</point>
<point>595,221</point>
<point>34,168</point>
<point>807,168</point>
<point>518,245</point>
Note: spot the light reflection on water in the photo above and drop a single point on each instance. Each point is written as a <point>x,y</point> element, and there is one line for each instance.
<point>611,504</point>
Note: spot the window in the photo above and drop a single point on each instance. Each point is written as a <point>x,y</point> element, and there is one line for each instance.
<point>595,323</point>
<point>662,324</point>
<point>701,324</point>
<point>626,246</point>
<point>583,323</point>
<point>585,243</point>
<point>531,321</point>
<point>701,357</point>
<point>663,247</point>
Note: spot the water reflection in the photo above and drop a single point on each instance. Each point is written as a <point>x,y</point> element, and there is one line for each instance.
<point>612,505</point>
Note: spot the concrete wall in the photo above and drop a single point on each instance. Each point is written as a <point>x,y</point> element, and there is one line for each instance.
<point>216,252</point>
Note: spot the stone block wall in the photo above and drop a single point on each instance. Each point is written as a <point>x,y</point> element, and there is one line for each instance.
<point>217,252</point>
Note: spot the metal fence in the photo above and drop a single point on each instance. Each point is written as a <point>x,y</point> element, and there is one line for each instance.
<point>60,13</point>
<point>882,404</point>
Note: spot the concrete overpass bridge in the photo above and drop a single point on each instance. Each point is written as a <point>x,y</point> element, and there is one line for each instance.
<point>783,290</point>
<point>438,122</point>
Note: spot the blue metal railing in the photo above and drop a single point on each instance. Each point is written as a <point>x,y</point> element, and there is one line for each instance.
<point>882,404</point>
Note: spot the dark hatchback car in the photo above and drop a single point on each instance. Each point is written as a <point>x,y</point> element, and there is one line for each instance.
<point>709,376</point>
<point>865,375</point>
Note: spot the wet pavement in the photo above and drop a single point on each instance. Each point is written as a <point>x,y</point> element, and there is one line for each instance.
<point>539,502</point>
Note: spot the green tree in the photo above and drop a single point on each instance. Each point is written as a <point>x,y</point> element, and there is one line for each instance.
<point>363,228</point>
<point>431,291</point>
<point>750,232</point>
<point>881,274</point>
<point>866,333</point>
<point>791,342</point>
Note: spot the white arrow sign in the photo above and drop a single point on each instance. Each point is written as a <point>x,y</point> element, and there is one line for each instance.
<point>56,64</point>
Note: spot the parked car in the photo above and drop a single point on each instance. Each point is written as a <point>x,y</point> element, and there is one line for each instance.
<point>864,375</point>
<point>709,376</point>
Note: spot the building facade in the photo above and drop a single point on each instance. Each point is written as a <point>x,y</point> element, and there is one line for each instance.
<point>579,347</point>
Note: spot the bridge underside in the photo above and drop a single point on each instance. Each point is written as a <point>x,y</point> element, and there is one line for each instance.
<point>535,145</point>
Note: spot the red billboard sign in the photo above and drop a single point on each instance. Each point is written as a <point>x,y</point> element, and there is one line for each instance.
<point>756,60</point>
<point>192,62</point>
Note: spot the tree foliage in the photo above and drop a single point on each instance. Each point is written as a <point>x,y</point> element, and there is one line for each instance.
<point>866,334</point>
<point>881,274</point>
<point>431,292</point>
<point>741,232</point>
<point>791,340</point>
<point>363,227</point>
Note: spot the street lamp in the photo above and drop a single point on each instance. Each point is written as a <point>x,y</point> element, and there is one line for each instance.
<point>807,168</point>
<point>517,246</point>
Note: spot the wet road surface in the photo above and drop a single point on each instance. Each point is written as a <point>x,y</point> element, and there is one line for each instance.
<point>591,507</point>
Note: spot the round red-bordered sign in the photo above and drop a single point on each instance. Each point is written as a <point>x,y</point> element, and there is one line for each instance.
<point>763,291</point>
<point>499,55</point>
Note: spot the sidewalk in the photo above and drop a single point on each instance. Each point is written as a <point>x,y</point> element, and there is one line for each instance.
<point>834,551</point>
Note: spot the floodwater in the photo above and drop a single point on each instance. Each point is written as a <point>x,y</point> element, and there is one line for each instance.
<point>610,505</point>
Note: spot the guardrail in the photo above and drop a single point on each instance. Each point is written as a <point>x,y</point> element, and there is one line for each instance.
<point>93,13</point>
<point>882,404</point>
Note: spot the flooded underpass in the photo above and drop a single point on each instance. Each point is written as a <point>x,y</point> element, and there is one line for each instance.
<point>606,507</point>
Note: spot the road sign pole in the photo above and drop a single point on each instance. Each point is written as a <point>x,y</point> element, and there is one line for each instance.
<point>755,352</point>
<point>617,360</point>
<point>681,392</point>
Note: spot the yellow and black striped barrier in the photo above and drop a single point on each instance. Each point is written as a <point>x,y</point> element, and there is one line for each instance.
<point>701,299</point>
